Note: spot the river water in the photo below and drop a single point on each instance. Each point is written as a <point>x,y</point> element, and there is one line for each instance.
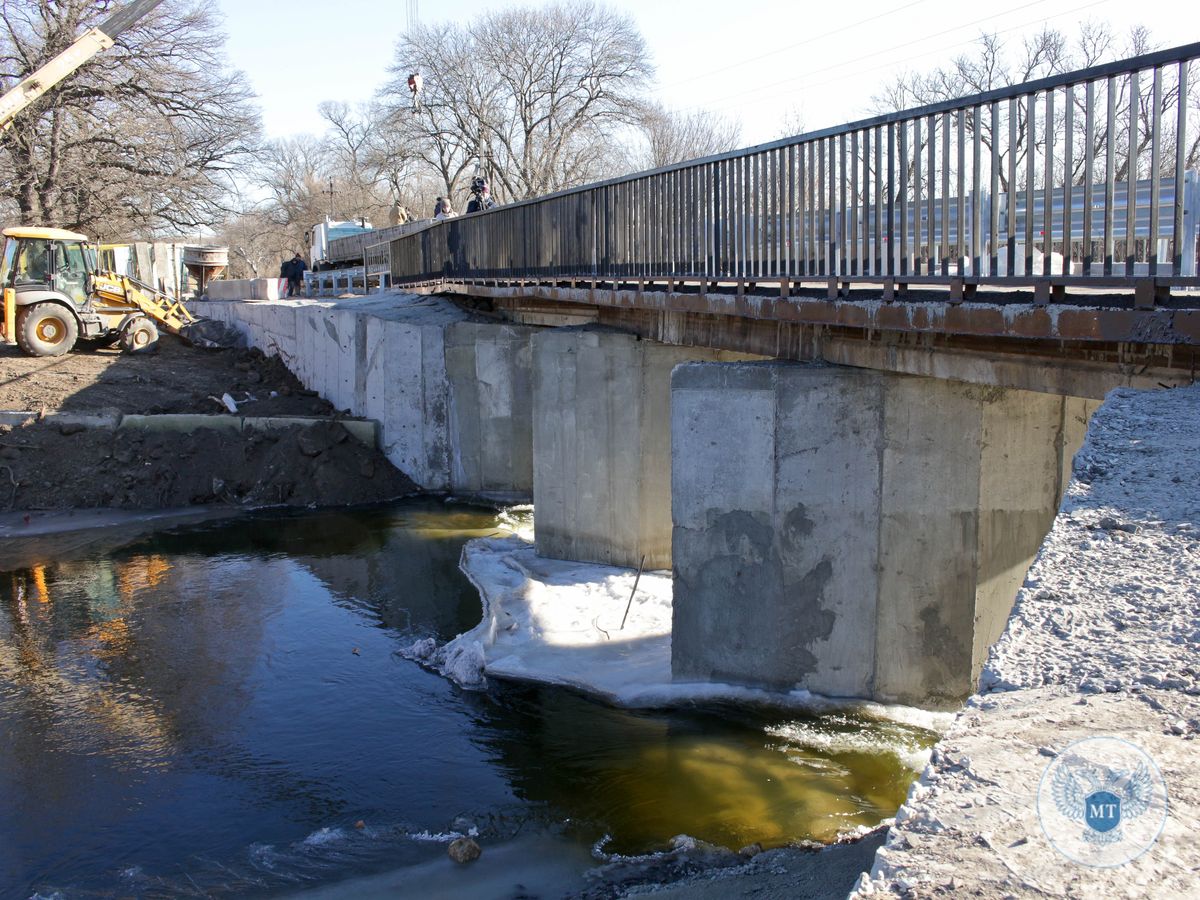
<point>221,709</point>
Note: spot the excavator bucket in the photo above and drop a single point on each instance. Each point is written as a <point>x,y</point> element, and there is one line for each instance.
<point>168,312</point>
<point>212,334</point>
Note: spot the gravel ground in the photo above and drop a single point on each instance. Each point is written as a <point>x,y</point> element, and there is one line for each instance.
<point>1104,641</point>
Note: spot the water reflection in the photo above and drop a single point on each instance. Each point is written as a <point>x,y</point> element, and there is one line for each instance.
<point>218,705</point>
<point>727,776</point>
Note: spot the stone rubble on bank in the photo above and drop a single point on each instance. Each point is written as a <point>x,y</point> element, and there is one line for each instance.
<point>1104,640</point>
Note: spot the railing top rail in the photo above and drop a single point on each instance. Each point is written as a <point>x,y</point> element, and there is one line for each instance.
<point>1182,53</point>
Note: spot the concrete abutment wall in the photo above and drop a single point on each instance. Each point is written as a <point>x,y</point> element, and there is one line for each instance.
<point>452,395</point>
<point>855,533</point>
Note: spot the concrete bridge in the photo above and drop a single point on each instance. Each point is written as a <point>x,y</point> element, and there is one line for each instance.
<point>835,382</point>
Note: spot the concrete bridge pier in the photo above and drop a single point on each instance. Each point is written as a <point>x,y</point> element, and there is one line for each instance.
<point>855,533</point>
<point>602,444</point>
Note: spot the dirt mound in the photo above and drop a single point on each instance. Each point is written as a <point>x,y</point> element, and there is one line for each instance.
<point>177,378</point>
<point>48,466</point>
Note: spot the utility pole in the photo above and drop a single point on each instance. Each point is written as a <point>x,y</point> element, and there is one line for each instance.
<point>330,193</point>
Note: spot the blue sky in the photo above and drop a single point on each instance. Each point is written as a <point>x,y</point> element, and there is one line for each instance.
<point>756,59</point>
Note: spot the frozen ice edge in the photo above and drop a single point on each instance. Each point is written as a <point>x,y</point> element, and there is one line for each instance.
<point>558,622</point>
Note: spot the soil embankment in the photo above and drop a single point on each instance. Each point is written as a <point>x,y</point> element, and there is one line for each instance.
<point>46,464</point>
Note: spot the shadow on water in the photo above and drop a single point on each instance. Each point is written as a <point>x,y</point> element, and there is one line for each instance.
<point>214,708</point>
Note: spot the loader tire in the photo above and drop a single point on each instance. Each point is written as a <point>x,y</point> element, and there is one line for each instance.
<point>139,336</point>
<point>46,329</point>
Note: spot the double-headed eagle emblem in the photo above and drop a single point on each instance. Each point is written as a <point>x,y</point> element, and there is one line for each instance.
<point>1102,798</point>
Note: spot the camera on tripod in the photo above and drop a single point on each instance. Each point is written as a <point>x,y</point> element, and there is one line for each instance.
<point>481,197</point>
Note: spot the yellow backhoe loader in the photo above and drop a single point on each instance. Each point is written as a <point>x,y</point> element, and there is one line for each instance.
<point>54,294</point>
<point>53,291</point>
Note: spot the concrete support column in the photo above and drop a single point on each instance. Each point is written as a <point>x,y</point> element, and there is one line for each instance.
<point>855,533</point>
<point>490,368</point>
<point>602,445</point>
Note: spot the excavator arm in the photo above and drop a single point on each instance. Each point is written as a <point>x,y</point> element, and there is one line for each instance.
<point>93,41</point>
<point>110,288</point>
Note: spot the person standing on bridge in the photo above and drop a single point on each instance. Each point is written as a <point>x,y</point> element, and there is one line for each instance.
<point>444,209</point>
<point>481,196</point>
<point>296,268</point>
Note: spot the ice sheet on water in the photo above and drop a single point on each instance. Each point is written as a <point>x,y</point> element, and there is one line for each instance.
<point>560,622</point>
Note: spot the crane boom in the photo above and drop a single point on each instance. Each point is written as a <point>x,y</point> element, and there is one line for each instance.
<point>93,41</point>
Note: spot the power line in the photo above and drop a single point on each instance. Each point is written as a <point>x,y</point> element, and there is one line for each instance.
<point>756,91</point>
<point>790,47</point>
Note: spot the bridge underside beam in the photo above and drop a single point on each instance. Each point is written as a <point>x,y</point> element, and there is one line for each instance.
<point>1066,350</point>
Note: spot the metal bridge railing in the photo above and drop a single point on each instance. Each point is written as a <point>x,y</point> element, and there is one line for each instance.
<point>1079,178</point>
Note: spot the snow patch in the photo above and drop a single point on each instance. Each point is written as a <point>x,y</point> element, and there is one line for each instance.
<point>559,622</point>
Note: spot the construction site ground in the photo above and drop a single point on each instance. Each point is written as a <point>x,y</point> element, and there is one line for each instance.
<point>49,465</point>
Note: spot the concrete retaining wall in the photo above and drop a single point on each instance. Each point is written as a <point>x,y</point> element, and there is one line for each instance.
<point>451,395</point>
<point>247,289</point>
<point>855,533</point>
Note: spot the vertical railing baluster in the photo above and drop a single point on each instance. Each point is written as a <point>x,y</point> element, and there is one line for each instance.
<point>754,229</point>
<point>1131,172</point>
<point>1068,178</point>
<point>945,248</point>
<point>844,230</point>
<point>1177,233</point>
<point>1089,175</point>
<point>757,204</point>
<point>778,223</point>
<point>1011,194</point>
<point>832,265</point>
<point>867,202</point>
<point>673,207</point>
<point>994,200</point>
<point>745,212</point>
<point>1110,174</point>
<point>810,198</point>
<point>1155,174</point>
<point>918,268</point>
<point>854,204</point>
<point>767,189</point>
<point>822,238</point>
<point>892,198</point>
<point>902,128</point>
<point>960,249</point>
<point>1030,181</point>
<point>879,267</point>
<point>976,187</point>
<point>789,258</point>
<point>1048,190</point>
<point>931,199</point>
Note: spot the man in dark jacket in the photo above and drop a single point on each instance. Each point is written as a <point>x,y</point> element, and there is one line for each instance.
<point>294,270</point>
<point>481,196</point>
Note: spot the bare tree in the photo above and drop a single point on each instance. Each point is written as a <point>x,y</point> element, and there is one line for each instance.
<point>791,123</point>
<point>146,138</point>
<point>672,137</point>
<point>460,100</point>
<point>989,67</point>
<point>534,95</point>
<point>994,65</point>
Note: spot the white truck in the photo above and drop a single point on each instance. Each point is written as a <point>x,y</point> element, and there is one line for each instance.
<point>324,233</point>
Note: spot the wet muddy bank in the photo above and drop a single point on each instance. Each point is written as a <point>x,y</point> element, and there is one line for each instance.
<point>45,465</point>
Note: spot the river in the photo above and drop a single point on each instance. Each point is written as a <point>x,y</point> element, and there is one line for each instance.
<point>221,710</point>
